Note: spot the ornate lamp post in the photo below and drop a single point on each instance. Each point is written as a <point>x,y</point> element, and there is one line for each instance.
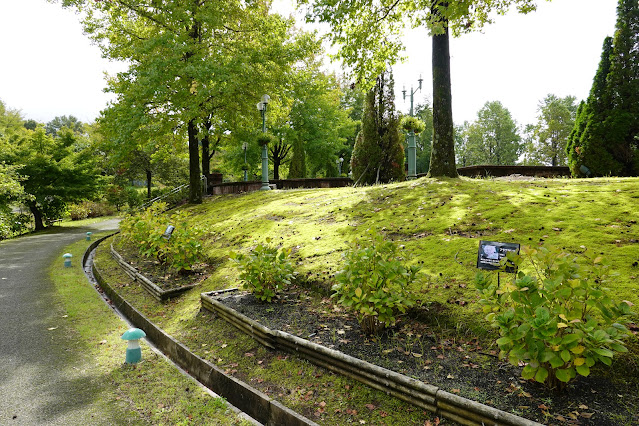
<point>339,162</point>
<point>261,106</point>
<point>412,146</point>
<point>244,147</point>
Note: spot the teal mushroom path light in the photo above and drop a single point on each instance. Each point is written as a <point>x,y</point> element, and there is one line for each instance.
<point>89,236</point>
<point>412,146</point>
<point>261,106</point>
<point>133,351</point>
<point>67,259</point>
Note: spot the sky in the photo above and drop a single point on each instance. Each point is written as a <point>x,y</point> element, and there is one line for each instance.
<point>50,68</point>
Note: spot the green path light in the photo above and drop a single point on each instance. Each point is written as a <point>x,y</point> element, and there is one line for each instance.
<point>89,236</point>
<point>67,259</point>
<point>133,350</point>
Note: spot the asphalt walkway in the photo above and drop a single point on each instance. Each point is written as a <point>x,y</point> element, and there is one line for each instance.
<point>40,381</point>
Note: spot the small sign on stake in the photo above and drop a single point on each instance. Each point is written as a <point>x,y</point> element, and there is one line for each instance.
<point>491,253</point>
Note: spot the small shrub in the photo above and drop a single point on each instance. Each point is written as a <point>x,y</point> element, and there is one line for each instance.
<point>559,319</point>
<point>78,211</point>
<point>374,282</point>
<point>265,270</point>
<point>133,197</point>
<point>146,229</point>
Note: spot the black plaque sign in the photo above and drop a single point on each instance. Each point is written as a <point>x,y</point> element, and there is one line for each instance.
<point>491,253</point>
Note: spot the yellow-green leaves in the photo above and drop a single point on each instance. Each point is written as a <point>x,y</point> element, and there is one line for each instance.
<point>564,323</point>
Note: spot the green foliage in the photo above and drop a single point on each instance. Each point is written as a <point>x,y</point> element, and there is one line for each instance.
<point>265,270</point>
<point>266,138</point>
<point>378,155</point>
<point>549,136</point>
<point>374,282</point>
<point>492,138</point>
<point>412,124</point>
<point>559,319</point>
<point>605,138</point>
<point>146,230</point>
<point>89,209</point>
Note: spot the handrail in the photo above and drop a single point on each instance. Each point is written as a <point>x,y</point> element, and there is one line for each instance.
<point>175,190</point>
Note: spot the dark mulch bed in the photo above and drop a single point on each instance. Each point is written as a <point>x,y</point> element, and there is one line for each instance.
<point>159,274</point>
<point>418,348</point>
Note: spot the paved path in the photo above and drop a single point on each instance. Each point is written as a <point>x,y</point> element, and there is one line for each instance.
<point>39,382</point>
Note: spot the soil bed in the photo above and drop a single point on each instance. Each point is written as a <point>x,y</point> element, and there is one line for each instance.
<point>158,274</point>
<point>464,366</point>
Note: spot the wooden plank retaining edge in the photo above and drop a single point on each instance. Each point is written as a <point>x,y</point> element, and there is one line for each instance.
<point>147,284</point>
<point>429,397</point>
<point>246,398</point>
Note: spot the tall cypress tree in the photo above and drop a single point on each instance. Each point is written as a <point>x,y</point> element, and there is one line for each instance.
<point>378,154</point>
<point>604,138</point>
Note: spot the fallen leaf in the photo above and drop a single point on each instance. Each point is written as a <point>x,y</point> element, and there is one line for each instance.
<point>416,355</point>
<point>583,406</point>
<point>587,415</point>
<point>370,407</point>
<point>52,328</point>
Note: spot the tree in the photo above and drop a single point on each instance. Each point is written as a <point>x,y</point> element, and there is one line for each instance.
<point>549,138</point>
<point>193,59</point>
<point>378,155</point>
<point>492,138</point>
<point>71,122</point>
<point>369,31</point>
<point>55,172</point>
<point>605,138</point>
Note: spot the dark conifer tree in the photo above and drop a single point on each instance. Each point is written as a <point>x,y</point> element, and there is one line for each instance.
<point>378,155</point>
<point>606,134</point>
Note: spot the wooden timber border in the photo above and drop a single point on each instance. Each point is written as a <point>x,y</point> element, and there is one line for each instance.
<point>425,396</point>
<point>246,398</point>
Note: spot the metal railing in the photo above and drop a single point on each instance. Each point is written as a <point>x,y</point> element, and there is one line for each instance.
<point>173,192</point>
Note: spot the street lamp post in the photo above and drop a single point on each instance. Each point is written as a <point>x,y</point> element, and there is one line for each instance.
<point>339,162</point>
<point>412,146</point>
<point>261,106</point>
<point>244,146</point>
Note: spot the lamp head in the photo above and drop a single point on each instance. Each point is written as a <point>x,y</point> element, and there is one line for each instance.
<point>265,99</point>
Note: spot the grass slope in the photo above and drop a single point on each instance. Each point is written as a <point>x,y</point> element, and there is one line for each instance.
<point>439,224</point>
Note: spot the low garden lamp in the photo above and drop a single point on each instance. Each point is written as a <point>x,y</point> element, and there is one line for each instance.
<point>89,236</point>
<point>169,231</point>
<point>133,350</point>
<point>67,259</point>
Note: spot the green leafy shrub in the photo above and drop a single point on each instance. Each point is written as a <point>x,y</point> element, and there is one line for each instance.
<point>265,270</point>
<point>559,319</point>
<point>78,211</point>
<point>374,282</point>
<point>146,231</point>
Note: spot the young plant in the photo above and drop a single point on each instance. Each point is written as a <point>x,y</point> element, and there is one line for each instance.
<point>145,230</point>
<point>558,319</point>
<point>374,283</point>
<point>265,270</point>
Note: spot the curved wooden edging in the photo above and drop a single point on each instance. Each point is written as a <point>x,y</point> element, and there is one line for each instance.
<point>147,284</point>
<point>429,397</point>
<point>246,398</point>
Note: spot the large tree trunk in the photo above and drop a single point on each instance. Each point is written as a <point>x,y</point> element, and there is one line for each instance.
<point>148,183</point>
<point>442,158</point>
<point>37,216</point>
<point>206,162</point>
<point>195,189</point>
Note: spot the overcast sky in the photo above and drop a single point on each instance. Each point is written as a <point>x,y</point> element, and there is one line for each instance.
<point>49,68</point>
